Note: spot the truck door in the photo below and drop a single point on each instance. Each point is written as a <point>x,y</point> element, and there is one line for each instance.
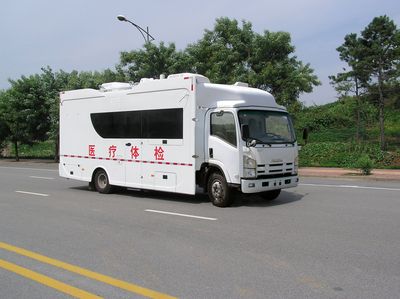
<point>133,163</point>
<point>132,144</point>
<point>223,142</point>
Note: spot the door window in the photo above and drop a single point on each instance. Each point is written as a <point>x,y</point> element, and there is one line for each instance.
<point>223,126</point>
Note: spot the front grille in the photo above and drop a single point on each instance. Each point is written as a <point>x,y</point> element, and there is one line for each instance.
<point>275,165</point>
<point>275,170</point>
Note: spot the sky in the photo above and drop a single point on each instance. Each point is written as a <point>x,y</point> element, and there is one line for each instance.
<point>85,35</point>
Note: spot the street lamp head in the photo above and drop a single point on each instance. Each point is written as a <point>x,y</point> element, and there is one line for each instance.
<point>121,18</point>
<point>141,30</point>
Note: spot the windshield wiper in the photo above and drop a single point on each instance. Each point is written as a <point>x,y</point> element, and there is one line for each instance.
<point>275,135</point>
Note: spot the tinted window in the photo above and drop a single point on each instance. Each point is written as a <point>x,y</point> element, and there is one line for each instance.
<point>132,124</point>
<point>117,124</point>
<point>223,126</point>
<point>164,123</point>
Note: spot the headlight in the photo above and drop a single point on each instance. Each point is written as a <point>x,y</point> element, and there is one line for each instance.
<point>249,167</point>
<point>249,162</point>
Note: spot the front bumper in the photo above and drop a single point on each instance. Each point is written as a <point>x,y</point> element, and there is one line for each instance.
<point>261,185</point>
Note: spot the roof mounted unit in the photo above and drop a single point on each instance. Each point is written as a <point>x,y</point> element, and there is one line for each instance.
<point>105,87</point>
<point>241,84</point>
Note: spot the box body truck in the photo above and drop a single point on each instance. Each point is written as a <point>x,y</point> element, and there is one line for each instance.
<point>173,134</point>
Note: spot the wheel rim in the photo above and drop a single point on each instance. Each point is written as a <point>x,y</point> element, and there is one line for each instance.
<point>217,190</point>
<point>102,180</point>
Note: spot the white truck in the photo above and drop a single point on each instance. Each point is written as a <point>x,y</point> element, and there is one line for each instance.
<point>173,134</point>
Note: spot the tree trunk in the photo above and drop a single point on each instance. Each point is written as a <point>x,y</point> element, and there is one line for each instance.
<point>381,114</point>
<point>16,151</point>
<point>57,149</point>
<point>358,123</point>
<point>358,107</point>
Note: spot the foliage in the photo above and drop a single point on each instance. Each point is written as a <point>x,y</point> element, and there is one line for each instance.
<point>339,114</point>
<point>29,109</point>
<point>223,54</point>
<point>339,154</point>
<point>24,111</point>
<point>4,130</point>
<point>38,150</point>
<point>374,59</point>
<point>332,142</point>
<point>152,61</point>
<point>380,45</point>
<point>365,164</point>
<point>227,54</point>
<point>381,58</point>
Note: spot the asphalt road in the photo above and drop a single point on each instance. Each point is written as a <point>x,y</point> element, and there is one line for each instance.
<point>326,238</point>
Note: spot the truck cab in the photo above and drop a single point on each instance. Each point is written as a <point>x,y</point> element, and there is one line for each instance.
<point>250,145</point>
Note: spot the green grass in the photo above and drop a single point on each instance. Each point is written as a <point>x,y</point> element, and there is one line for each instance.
<point>332,137</point>
<point>345,154</point>
<point>39,150</point>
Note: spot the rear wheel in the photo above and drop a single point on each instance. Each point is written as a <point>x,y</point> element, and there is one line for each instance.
<point>219,191</point>
<point>270,195</point>
<point>101,182</point>
<point>91,186</point>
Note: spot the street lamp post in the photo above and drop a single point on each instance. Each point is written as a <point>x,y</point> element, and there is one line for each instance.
<point>145,33</point>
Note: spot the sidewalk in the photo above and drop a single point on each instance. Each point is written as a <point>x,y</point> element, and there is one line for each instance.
<point>376,174</point>
<point>29,163</point>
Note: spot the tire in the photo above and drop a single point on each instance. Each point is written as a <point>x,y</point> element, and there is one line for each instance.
<point>219,191</point>
<point>101,182</point>
<point>270,195</point>
<point>91,186</point>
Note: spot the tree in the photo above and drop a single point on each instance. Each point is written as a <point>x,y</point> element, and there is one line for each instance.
<point>374,59</point>
<point>25,111</point>
<point>54,83</point>
<point>151,62</point>
<point>274,68</point>
<point>227,54</point>
<point>4,129</point>
<point>222,54</point>
<point>29,109</point>
<point>231,53</point>
<point>380,45</point>
<point>350,81</point>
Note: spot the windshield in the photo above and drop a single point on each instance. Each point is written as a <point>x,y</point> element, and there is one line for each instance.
<point>268,126</point>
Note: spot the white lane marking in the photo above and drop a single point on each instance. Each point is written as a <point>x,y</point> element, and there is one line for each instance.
<point>32,193</point>
<point>41,177</point>
<point>27,168</point>
<point>182,215</point>
<point>351,186</point>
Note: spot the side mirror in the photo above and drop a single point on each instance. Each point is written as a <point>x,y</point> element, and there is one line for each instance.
<point>245,132</point>
<point>246,136</point>
<point>251,142</point>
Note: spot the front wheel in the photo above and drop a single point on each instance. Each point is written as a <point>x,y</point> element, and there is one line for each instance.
<point>270,195</point>
<point>219,191</point>
<point>101,182</point>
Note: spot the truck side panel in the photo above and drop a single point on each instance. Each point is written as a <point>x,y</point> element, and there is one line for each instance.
<point>164,164</point>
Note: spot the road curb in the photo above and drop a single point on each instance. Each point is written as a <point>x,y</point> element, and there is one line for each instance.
<point>376,174</point>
